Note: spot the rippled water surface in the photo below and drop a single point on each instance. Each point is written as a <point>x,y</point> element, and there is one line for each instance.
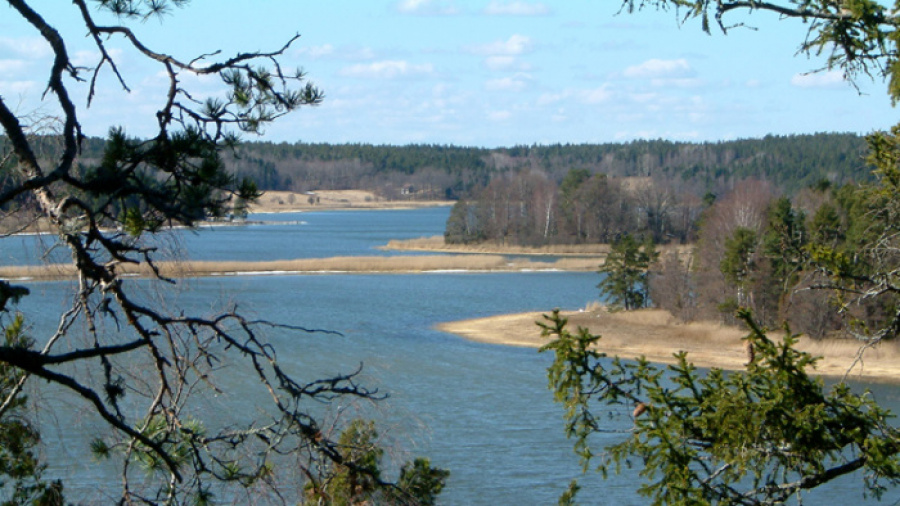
<point>482,411</point>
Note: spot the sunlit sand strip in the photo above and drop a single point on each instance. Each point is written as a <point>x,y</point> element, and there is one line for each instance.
<point>335,265</point>
<point>656,335</point>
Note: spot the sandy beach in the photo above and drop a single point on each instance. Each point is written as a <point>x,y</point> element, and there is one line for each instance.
<point>656,335</point>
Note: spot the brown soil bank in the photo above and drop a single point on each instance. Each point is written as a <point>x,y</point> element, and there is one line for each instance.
<point>656,335</point>
<point>394,264</point>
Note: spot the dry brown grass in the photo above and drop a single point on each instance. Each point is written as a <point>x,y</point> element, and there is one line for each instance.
<point>436,243</point>
<point>657,336</point>
<point>597,252</point>
<point>283,201</point>
<point>393,264</point>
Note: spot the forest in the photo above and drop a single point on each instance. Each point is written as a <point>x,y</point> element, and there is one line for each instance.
<point>788,162</point>
<point>667,181</point>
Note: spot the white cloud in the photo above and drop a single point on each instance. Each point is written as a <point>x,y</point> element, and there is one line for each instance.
<point>513,46</point>
<point>388,69</point>
<point>426,7</point>
<point>589,96</point>
<point>660,69</point>
<point>831,79</point>
<point>507,84</point>
<point>18,87</point>
<point>341,53</point>
<point>499,115</point>
<point>92,58</point>
<point>32,47</point>
<point>8,67</point>
<point>550,99</point>
<point>317,51</point>
<point>516,8</point>
<point>596,95</point>
<point>677,83</point>
<point>505,62</point>
<point>644,98</point>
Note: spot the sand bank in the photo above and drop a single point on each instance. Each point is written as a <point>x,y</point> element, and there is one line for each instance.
<point>656,335</point>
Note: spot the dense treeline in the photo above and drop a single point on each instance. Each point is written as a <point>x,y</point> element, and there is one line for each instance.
<point>789,162</point>
<point>760,250</point>
<point>530,208</point>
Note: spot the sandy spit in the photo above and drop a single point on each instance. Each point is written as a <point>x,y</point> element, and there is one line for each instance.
<point>657,336</point>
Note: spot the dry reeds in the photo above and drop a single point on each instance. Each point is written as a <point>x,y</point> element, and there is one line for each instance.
<point>597,252</point>
<point>392,264</point>
<point>436,243</point>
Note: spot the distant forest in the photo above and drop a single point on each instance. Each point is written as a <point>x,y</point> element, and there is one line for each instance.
<point>429,171</point>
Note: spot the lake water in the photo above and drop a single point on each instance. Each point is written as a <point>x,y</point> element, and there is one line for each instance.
<point>482,411</point>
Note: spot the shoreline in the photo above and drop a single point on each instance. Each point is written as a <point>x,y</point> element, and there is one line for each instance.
<point>657,336</point>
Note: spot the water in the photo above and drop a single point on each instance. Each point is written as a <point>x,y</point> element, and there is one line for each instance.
<point>268,237</point>
<point>482,411</point>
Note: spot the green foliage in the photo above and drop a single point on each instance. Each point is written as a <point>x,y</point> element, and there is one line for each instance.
<point>462,226</point>
<point>21,471</point>
<point>178,444</point>
<point>767,433</point>
<point>761,435</point>
<point>825,226</point>
<point>862,268</point>
<point>420,483</point>
<point>357,478</point>
<point>784,239</point>
<point>738,262</point>
<point>624,273</point>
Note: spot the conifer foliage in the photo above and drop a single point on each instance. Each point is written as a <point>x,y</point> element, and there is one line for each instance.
<point>765,434</point>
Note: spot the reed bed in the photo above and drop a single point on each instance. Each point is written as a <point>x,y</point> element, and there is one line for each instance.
<point>394,264</point>
<point>596,251</point>
<point>436,243</point>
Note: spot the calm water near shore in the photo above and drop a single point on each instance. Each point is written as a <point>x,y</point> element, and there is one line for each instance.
<point>483,411</point>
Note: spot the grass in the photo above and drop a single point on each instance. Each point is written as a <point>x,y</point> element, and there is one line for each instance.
<point>393,264</point>
<point>596,251</point>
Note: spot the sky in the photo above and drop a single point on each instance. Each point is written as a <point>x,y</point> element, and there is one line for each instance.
<point>487,73</point>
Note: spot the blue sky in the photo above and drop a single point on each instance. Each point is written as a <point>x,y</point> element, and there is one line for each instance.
<point>477,73</point>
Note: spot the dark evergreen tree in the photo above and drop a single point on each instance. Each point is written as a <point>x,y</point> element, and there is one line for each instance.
<point>624,272</point>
